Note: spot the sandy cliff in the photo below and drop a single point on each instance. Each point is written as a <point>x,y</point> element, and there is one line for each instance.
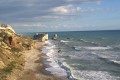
<point>12,47</point>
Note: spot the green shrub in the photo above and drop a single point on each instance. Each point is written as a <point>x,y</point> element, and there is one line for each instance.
<point>10,67</point>
<point>7,69</point>
<point>15,49</point>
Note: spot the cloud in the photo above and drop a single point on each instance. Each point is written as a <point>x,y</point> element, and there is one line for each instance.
<point>41,13</point>
<point>66,10</point>
<point>34,8</point>
<point>61,10</point>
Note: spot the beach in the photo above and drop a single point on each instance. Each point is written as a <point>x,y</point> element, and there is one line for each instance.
<point>34,67</point>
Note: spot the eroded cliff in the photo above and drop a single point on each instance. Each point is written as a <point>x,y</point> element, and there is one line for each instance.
<point>12,47</point>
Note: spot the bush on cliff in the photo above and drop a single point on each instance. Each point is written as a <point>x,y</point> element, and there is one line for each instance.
<point>15,50</point>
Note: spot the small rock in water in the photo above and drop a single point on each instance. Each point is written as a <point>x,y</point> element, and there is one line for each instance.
<point>59,51</point>
<point>55,37</point>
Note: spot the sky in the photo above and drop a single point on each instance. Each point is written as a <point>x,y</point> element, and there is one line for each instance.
<point>60,15</point>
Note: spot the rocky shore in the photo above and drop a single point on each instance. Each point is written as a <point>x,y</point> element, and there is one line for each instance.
<point>21,57</point>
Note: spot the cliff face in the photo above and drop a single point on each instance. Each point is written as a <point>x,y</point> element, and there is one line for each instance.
<point>11,48</point>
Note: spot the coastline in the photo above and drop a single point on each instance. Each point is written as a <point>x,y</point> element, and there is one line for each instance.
<point>34,68</point>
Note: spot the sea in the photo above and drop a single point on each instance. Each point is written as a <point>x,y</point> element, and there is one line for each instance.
<point>83,55</point>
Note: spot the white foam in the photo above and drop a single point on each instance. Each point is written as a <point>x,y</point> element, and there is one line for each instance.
<point>50,53</point>
<point>48,42</point>
<point>92,75</point>
<point>83,40</point>
<point>77,47</point>
<point>76,56</point>
<point>98,48</point>
<point>64,41</point>
<point>92,48</point>
<point>111,57</point>
<point>50,59</point>
<point>65,64</point>
<point>54,68</point>
<point>115,61</point>
<point>76,64</point>
<point>57,71</point>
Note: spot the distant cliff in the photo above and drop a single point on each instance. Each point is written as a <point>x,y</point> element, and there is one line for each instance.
<point>12,46</point>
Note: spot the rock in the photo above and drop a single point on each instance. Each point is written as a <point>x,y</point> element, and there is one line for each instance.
<point>55,37</point>
<point>36,36</point>
<point>59,51</point>
<point>44,37</point>
<point>41,37</point>
<point>68,38</point>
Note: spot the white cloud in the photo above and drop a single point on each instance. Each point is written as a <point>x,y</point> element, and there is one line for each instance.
<point>61,9</point>
<point>47,13</point>
<point>68,9</point>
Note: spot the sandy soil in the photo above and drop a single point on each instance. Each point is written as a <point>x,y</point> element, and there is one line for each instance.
<point>34,68</point>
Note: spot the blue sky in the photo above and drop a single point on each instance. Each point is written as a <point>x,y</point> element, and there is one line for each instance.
<point>60,15</point>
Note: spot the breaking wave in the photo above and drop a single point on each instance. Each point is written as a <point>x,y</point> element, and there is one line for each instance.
<point>91,48</point>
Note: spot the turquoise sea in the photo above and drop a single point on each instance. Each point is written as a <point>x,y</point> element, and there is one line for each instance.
<point>85,55</point>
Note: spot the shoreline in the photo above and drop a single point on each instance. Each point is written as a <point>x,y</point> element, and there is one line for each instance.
<point>34,68</point>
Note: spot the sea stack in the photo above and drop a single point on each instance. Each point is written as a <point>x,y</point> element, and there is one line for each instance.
<point>42,37</point>
<point>55,37</point>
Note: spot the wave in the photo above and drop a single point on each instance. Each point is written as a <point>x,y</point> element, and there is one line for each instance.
<point>116,47</point>
<point>87,74</point>
<point>83,40</point>
<point>115,61</point>
<point>59,68</point>
<point>63,41</point>
<point>55,69</point>
<point>67,68</point>
<point>107,59</point>
<point>78,48</point>
<point>92,75</point>
<point>55,66</point>
<point>91,48</point>
<point>51,60</point>
<point>98,48</point>
<point>93,43</point>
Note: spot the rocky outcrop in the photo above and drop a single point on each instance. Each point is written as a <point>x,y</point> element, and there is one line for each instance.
<point>55,37</point>
<point>11,48</point>
<point>41,37</point>
<point>44,37</point>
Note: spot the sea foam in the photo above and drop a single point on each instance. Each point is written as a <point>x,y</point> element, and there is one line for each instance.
<point>91,48</point>
<point>53,66</point>
<point>92,75</point>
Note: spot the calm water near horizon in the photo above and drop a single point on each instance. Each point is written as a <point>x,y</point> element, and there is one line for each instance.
<point>85,55</point>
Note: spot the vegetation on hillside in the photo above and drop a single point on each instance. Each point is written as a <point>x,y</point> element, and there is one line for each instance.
<point>11,48</point>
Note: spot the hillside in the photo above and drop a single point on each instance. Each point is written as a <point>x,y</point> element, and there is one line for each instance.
<point>12,47</point>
